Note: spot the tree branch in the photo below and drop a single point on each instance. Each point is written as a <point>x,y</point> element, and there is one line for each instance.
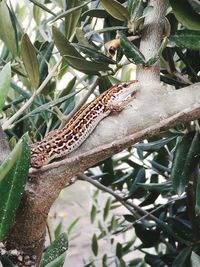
<point>152,33</point>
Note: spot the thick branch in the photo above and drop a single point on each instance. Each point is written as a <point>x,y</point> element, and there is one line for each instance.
<point>147,115</point>
<point>152,34</point>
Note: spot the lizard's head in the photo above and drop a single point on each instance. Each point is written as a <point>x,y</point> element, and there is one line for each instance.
<point>122,91</point>
<point>39,156</point>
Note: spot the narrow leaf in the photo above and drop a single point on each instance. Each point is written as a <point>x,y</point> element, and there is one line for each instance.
<point>47,106</point>
<point>94,54</point>
<point>185,14</point>
<point>7,33</point>
<point>116,9</point>
<point>140,178</point>
<point>165,186</point>
<point>197,204</point>
<point>70,11</point>
<point>93,213</point>
<point>192,158</point>
<point>13,176</point>
<point>195,260</point>
<point>86,66</point>
<point>186,39</point>
<point>39,4</point>
<point>63,45</point>
<point>95,12</point>
<point>182,260</point>
<point>133,8</point>
<point>30,60</point>
<point>44,56</point>
<point>156,145</point>
<point>72,225</point>
<point>131,51</point>
<point>55,251</point>
<point>94,245</point>
<point>72,19</point>
<point>179,161</point>
<point>169,230</point>
<point>5,80</point>
<point>107,208</point>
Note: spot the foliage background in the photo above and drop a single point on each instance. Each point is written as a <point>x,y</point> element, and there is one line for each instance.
<point>158,178</point>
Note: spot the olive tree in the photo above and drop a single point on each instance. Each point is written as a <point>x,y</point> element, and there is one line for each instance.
<point>54,56</point>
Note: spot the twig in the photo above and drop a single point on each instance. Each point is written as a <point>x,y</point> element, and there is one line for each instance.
<point>8,123</point>
<point>125,203</point>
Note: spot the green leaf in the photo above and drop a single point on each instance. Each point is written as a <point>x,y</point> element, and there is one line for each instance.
<point>158,167</point>
<point>72,225</point>
<point>94,245</point>
<point>94,54</point>
<point>47,106</point>
<point>55,253</point>
<point>182,260</point>
<point>192,158</point>
<point>165,186</point>
<point>72,19</point>
<point>197,204</point>
<point>116,9</point>
<point>13,176</point>
<point>186,39</point>
<point>95,12</point>
<point>59,229</point>
<point>93,213</point>
<point>63,45</point>
<point>179,161</point>
<point>37,3</point>
<point>195,260</point>
<point>82,40</point>
<point>133,7</point>
<point>154,260</point>
<point>6,262</point>
<point>7,33</point>
<point>154,146</point>
<point>5,80</point>
<point>37,13</point>
<point>68,88</point>
<point>153,59</point>
<point>131,51</point>
<point>107,208</point>
<point>44,56</point>
<point>169,230</point>
<point>30,60</point>
<point>86,66</point>
<point>70,11</point>
<point>119,251</point>
<point>138,179</point>
<point>195,5</point>
<point>185,14</point>
<point>107,29</point>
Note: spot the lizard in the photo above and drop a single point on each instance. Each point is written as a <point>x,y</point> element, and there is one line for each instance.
<point>60,142</point>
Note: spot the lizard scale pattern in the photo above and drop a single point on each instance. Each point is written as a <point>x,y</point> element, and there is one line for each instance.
<point>61,142</point>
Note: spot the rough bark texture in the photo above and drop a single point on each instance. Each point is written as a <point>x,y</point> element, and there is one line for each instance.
<point>154,109</point>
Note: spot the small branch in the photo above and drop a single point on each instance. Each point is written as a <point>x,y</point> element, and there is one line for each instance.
<point>125,203</point>
<point>156,209</point>
<point>8,123</point>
